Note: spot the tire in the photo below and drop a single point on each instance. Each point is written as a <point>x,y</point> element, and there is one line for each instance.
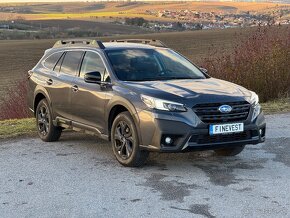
<point>45,128</point>
<point>125,141</point>
<point>230,151</point>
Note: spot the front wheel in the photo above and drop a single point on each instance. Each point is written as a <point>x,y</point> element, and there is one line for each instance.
<point>125,141</point>
<point>45,128</point>
<point>230,151</point>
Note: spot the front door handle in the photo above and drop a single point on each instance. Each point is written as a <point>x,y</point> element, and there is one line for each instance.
<point>49,82</point>
<point>75,88</point>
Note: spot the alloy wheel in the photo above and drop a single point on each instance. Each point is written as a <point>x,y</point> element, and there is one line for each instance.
<point>123,140</point>
<point>43,120</point>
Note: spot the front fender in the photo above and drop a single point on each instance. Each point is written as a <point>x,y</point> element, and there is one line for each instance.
<point>119,100</point>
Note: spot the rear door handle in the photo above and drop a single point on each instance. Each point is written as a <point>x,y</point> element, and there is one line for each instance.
<point>75,88</point>
<point>49,82</point>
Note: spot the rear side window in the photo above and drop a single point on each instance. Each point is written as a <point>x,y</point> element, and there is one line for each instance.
<point>71,62</point>
<point>50,62</point>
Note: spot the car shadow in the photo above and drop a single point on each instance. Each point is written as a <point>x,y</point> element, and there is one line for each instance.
<point>208,161</point>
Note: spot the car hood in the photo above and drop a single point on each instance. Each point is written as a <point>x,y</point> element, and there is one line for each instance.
<point>201,90</point>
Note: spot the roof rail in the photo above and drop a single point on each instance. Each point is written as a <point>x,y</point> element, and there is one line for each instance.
<point>72,42</point>
<point>153,42</point>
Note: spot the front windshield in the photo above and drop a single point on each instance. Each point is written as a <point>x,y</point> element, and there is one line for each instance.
<point>151,64</point>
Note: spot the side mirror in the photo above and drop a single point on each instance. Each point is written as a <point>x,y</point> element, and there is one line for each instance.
<point>93,77</point>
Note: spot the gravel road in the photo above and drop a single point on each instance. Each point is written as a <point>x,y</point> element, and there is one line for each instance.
<point>79,177</point>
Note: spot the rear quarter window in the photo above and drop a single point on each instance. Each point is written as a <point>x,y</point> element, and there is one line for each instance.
<point>51,61</point>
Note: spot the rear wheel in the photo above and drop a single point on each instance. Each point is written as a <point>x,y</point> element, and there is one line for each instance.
<point>230,151</point>
<point>45,128</point>
<point>125,141</point>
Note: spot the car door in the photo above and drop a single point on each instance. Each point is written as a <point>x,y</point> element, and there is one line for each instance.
<point>89,99</point>
<point>46,77</point>
<point>67,69</point>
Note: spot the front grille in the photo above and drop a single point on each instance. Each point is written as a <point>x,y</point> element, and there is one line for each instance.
<point>209,113</point>
<point>209,139</point>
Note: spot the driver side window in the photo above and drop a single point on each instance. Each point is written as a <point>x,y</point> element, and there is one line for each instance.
<point>92,62</point>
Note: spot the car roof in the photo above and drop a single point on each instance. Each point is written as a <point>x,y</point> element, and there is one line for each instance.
<point>113,44</point>
<point>109,46</point>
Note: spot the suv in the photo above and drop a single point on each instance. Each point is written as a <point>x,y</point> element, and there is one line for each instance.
<point>141,96</point>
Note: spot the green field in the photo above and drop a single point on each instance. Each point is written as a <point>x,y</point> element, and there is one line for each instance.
<point>17,57</point>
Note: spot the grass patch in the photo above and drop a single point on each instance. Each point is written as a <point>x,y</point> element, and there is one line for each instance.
<point>276,106</point>
<point>17,127</point>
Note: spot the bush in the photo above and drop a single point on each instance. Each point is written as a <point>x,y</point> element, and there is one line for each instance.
<point>260,62</point>
<point>15,105</point>
<point>136,21</point>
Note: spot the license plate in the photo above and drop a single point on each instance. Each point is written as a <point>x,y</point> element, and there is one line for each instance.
<point>226,128</point>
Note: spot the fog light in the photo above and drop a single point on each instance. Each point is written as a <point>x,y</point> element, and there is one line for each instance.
<point>168,140</point>
<point>261,131</point>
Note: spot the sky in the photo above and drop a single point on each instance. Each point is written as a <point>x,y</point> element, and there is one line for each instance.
<point>5,1</point>
<point>8,1</point>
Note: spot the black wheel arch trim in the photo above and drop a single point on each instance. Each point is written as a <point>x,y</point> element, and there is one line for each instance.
<point>118,100</point>
<point>43,91</point>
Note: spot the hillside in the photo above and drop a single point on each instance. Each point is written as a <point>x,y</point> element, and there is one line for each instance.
<point>87,10</point>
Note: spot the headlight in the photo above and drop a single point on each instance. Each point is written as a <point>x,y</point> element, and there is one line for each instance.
<point>162,104</point>
<point>257,107</point>
<point>256,112</point>
<point>254,98</point>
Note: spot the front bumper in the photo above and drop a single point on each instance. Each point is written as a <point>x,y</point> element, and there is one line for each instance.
<point>189,133</point>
